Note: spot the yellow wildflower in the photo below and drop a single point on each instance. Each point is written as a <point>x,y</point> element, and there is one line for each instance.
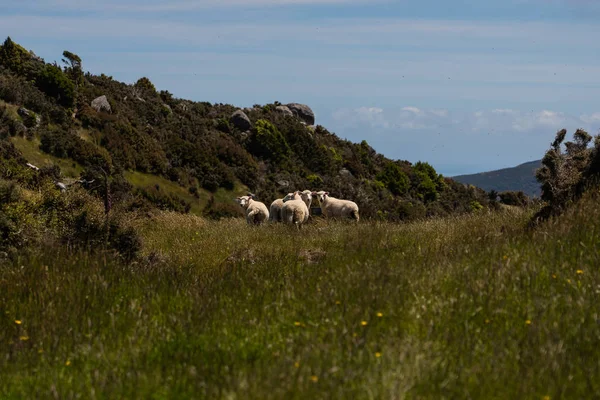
<point>297,323</point>
<point>546,398</point>
<point>378,354</point>
<point>18,322</point>
<point>314,378</point>
<point>579,271</point>
<point>487,321</point>
<point>505,257</point>
<point>568,281</point>
<point>23,338</point>
<point>379,314</point>
<point>363,323</point>
<point>68,363</point>
<point>528,322</point>
<point>297,364</point>
<point>338,302</point>
<point>554,276</point>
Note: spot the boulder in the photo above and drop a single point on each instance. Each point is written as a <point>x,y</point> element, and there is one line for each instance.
<point>31,119</point>
<point>285,110</point>
<point>240,120</point>
<point>101,104</point>
<point>345,172</point>
<point>303,112</point>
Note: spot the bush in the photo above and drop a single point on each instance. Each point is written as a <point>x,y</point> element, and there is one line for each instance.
<point>268,143</point>
<point>53,81</point>
<point>394,179</point>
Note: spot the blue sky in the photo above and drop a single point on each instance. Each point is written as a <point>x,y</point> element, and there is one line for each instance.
<point>468,85</point>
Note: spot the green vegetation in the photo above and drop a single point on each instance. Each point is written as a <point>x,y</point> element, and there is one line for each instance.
<point>112,288</point>
<point>215,309</point>
<point>30,149</point>
<point>139,129</point>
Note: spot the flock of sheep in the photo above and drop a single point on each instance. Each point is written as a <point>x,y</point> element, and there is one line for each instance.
<point>294,208</point>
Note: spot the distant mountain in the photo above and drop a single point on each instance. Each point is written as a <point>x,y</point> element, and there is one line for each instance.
<point>521,177</point>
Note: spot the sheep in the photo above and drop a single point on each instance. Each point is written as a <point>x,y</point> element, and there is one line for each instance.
<point>332,207</point>
<point>256,212</point>
<point>306,197</point>
<point>294,211</point>
<point>276,206</point>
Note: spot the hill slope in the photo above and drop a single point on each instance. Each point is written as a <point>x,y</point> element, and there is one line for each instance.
<point>519,178</point>
<point>209,152</point>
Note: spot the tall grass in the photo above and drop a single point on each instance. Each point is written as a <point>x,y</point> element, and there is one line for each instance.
<point>462,307</point>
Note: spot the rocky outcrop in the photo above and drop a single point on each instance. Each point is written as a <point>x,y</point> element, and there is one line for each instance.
<point>303,112</point>
<point>101,104</point>
<point>284,110</point>
<point>31,119</point>
<point>240,120</point>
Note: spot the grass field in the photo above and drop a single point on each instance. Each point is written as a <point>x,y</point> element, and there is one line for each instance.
<point>471,307</point>
<point>32,153</point>
<point>141,180</point>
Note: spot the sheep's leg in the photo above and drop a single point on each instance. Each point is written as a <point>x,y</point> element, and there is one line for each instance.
<point>251,217</point>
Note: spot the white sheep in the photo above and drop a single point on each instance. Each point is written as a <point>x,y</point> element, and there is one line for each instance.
<point>256,212</point>
<point>294,211</point>
<point>334,208</point>
<point>276,206</point>
<point>306,198</point>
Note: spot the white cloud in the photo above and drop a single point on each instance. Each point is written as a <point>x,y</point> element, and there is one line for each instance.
<point>408,117</point>
<point>414,110</point>
<point>481,122</point>
<point>591,118</point>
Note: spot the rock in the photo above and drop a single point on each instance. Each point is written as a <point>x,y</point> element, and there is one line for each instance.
<point>303,112</point>
<point>283,183</point>
<point>285,110</point>
<point>345,172</point>
<point>101,104</point>
<point>61,186</point>
<point>240,120</point>
<point>31,119</point>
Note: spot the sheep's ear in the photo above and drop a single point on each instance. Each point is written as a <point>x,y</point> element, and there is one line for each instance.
<point>326,194</point>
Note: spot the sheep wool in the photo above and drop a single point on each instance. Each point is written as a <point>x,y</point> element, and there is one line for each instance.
<point>337,208</point>
<point>294,211</point>
<point>256,212</point>
<point>276,206</point>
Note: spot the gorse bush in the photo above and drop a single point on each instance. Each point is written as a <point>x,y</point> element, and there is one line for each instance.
<point>566,173</point>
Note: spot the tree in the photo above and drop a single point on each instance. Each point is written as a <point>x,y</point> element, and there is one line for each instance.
<point>73,67</point>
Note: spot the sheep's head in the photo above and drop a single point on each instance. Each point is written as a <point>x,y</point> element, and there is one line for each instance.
<point>321,195</point>
<point>243,201</point>
<point>307,196</point>
<point>292,196</point>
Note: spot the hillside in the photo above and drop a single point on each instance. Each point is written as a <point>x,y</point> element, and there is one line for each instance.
<point>519,178</point>
<point>194,157</point>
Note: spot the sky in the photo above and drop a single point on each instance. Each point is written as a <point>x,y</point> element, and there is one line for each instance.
<point>466,85</point>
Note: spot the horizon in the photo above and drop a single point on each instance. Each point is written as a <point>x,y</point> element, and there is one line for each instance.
<point>467,87</point>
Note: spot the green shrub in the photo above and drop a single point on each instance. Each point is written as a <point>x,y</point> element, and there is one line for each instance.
<point>53,81</point>
<point>394,178</point>
<point>268,143</point>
